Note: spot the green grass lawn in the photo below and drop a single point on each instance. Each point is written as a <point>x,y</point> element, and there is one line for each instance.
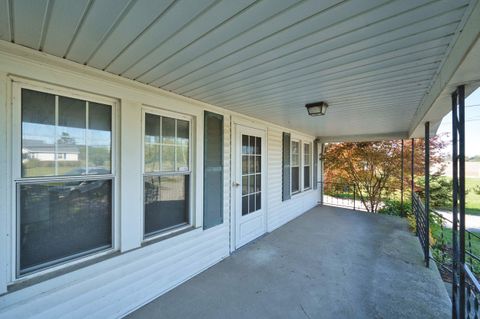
<point>472,201</point>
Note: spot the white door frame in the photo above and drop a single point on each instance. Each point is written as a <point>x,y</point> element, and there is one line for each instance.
<point>244,126</point>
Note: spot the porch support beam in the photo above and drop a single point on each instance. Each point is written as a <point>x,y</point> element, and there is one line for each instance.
<point>402,209</point>
<point>458,208</point>
<point>412,182</point>
<point>427,192</point>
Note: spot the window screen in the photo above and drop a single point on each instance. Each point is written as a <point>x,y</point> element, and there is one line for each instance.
<point>213,170</point>
<point>166,173</point>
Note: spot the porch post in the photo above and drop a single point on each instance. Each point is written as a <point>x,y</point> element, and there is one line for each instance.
<point>461,195</point>
<point>402,209</point>
<point>427,193</point>
<point>458,231</point>
<point>412,182</point>
<point>322,173</point>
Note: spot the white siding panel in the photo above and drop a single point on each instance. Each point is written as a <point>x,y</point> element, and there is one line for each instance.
<point>281,212</point>
<point>116,286</point>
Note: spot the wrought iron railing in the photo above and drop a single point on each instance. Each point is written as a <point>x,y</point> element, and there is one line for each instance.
<point>357,197</point>
<point>422,226</point>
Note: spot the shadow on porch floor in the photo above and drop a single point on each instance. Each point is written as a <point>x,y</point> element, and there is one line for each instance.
<point>328,263</point>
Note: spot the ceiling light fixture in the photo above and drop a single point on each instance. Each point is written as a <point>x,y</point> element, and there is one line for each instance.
<point>317,108</point>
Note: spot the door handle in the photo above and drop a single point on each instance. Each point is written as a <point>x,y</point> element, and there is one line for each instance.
<point>236,184</point>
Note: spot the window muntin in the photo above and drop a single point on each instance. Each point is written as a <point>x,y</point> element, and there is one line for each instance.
<point>166,173</point>
<point>65,186</point>
<point>53,125</point>
<point>295,166</point>
<point>251,174</point>
<point>307,165</point>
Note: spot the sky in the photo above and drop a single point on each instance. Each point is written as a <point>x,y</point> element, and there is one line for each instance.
<point>472,124</point>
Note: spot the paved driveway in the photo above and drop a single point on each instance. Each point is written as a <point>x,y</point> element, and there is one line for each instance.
<point>328,263</point>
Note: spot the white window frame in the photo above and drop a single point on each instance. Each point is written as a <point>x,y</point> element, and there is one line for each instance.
<point>304,165</point>
<point>15,159</point>
<point>300,154</point>
<point>191,172</point>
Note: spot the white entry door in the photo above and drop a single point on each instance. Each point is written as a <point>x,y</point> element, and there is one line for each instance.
<point>249,184</point>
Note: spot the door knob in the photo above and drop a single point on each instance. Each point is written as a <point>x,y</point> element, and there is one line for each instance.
<point>236,184</point>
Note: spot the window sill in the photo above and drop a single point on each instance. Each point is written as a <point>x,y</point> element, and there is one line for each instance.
<point>27,282</point>
<point>167,234</point>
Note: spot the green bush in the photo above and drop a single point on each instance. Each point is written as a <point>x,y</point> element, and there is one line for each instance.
<point>394,207</point>
<point>441,189</point>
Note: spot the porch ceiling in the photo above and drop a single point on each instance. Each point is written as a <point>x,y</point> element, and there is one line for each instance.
<point>373,61</point>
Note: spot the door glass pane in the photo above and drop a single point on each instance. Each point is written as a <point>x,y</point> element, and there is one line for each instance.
<point>251,176</point>
<point>165,202</point>
<point>251,164</point>
<point>251,146</point>
<point>244,144</point>
<point>258,146</point>
<point>245,164</point>
<point>244,185</point>
<point>245,205</point>
<point>63,220</point>
<point>38,133</point>
<point>251,203</point>
<point>99,138</point>
<point>258,164</point>
<point>258,201</point>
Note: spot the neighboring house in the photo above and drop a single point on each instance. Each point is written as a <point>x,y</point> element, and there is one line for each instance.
<point>39,150</point>
<point>200,106</point>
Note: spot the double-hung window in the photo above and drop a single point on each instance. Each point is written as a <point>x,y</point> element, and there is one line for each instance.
<point>307,165</point>
<point>65,178</point>
<point>166,172</point>
<point>295,167</point>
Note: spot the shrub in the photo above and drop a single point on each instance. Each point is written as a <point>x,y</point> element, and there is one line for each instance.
<point>394,207</point>
<point>441,189</point>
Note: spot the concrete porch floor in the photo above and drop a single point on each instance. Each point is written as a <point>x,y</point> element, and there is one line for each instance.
<point>328,263</point>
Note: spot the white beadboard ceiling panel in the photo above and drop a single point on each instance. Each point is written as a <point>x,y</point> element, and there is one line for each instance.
<point>373,61</point>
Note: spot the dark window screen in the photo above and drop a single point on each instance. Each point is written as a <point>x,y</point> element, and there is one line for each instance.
<point>60,221</point>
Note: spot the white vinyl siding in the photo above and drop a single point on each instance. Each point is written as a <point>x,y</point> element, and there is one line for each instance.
<point>114,285</point>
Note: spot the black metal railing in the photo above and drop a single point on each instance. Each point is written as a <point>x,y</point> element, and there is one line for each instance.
<point>472,294</point>
<point>443,255</point>
<point>357,197</point>
<point>422,226</point>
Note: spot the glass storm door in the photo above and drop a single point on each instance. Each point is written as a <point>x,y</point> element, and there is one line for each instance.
<point>249,185</point>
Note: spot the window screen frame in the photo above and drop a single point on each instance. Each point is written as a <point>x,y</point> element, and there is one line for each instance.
<point>147,109</point>
<point>16,179</point>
